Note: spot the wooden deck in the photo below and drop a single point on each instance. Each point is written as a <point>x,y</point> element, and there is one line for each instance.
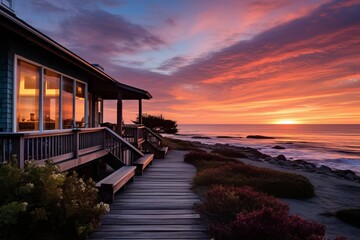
<point>157,205</point>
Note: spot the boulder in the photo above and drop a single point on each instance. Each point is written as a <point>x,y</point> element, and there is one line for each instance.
<point>278,147</point>
<point>324,170</point>
<point>259,137</point>
<point>281,158</point>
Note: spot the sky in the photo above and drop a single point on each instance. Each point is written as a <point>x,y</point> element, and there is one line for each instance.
<point>218,61</point>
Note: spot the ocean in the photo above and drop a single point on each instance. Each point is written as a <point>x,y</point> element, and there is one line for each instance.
<point>334,145</point>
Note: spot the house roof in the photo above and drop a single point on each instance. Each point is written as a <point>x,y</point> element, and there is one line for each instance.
<point>107,87</point>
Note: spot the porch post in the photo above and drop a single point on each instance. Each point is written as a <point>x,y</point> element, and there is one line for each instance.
<point>119,114</point>
<point>140,111</point>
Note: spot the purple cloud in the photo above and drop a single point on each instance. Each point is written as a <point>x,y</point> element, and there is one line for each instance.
<point>173,63</point>
<point>97,33</point>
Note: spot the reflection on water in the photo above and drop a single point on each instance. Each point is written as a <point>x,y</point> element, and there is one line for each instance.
<point>337,146</point>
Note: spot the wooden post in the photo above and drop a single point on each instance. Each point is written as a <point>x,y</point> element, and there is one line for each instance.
<point>140,111</point>
<point>119,114</point>
<point>76,143</point>
<point>18,150</point>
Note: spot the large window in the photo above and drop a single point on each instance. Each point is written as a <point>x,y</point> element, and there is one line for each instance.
<point>68,103</point>
<point>47,100</point>
<point>51,100</point>
<point>28,100</point>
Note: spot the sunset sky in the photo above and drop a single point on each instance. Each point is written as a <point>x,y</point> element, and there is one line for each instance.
<point>208,61</point>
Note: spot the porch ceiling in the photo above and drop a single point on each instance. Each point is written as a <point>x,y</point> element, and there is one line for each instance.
<point>111,90</point>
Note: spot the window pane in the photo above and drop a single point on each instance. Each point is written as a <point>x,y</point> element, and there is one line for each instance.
<point>67,103</point>
<point>80,105</point>
<point>51,100</point>
<point>28,79</point>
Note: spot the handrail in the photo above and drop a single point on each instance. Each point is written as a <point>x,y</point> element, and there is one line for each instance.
<point>154,134</point>
<point>124,142</point>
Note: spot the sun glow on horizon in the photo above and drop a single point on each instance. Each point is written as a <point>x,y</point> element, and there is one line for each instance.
<point>286,121</point>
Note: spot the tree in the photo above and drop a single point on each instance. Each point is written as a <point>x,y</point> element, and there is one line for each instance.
<point>158,123</point>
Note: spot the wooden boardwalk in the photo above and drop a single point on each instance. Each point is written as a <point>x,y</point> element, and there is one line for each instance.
<point>157,205</point>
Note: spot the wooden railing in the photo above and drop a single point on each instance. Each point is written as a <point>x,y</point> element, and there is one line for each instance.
<point>153,138</point>
<point>135,134</point>
<point>121,148</point>
<point>68,148</point>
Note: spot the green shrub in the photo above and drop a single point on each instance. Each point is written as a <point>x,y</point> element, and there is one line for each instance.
<point>177,144</point>
<point>350,216</point>
<point>42,202</point>
<point>276,183</point>
<point>230,153</point>
<point>202,160</point>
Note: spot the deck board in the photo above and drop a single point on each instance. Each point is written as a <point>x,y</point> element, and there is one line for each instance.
<point>157,205</point>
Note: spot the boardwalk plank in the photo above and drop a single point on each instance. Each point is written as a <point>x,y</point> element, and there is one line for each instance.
<point>157,205</point>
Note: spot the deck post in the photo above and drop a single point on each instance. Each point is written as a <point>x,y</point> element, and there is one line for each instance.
<point>140,111</point>
<point>18,150</point>
<point>119,114</point>
<point>76,142</point>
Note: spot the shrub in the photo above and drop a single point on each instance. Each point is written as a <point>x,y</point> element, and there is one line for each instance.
<point>270,224</point>
<point>276,183</point>
<point>230,153</point>
<point>223,203</point>
<point>44,203</point>
<point>177,144</point>
<point>350,216</point>
<point>199,158</point>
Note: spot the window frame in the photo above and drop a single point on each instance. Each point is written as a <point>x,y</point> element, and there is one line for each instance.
<point>42,95</point>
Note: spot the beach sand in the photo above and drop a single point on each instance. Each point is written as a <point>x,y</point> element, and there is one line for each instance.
<point>332,194</point>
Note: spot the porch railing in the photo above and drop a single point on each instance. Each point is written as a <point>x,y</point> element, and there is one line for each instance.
<point>135,134</point>
<point>66,145</point>
<point>153,138</point>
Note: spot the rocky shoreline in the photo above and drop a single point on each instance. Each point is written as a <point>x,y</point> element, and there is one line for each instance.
<point>282,161</point>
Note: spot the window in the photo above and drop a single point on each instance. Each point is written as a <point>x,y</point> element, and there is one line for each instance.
<point>28,99</point>
<point>47,100</point>
<point>51,100</point>
<point>68,103</point>
<point>80,105</point>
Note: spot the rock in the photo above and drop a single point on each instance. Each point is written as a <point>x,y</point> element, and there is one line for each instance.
<point>259,137</point>
<point>324,170</point>
<point>272,161</point>
<point>281,157</point>
<point>350,176</point>
<point>227,137</point>
<point>278,147</point>
<point>200,137</point>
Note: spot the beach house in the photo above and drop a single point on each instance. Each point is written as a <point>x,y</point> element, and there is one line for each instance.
<point>51,104</point>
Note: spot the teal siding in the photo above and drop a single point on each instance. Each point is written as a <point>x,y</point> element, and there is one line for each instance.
<point>6,88</point>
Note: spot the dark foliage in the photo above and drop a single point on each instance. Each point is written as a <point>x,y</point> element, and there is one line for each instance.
<point>224,203</point>
<point>177,144</point>
<point>159,124</point>
<point>216,169</point>
<point>230,153</point>
<point>270,224</point>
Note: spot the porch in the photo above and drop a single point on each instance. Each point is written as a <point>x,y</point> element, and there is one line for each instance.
<point>71,148</point>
